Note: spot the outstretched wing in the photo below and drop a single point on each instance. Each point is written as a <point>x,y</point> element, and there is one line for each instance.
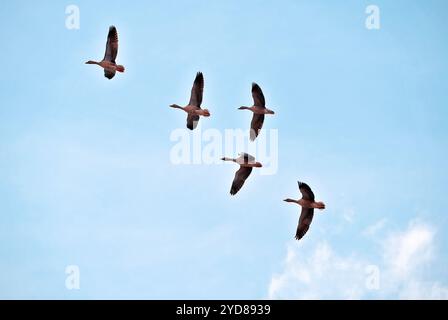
<point>111,46</point>
<point>197,90</point>
<point>306,191</point>
<point>304,222</point>
<point>240,177</point>
<point>258,96</point>
<point>192,121</point>
<point>109,74</point>
<point>256,125</point>
<point>246,158</point>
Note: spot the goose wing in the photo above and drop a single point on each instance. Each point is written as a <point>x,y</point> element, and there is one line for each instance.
<point>256,125</point>
<point>306,191</point>
<point>240,177</point>
<point>192,121</point>
<point>112,45</point>
<point>197,90</point>
<point>305,219</point>
<point>109,74</point>
<point>258,96</point>
<point>246,158</point>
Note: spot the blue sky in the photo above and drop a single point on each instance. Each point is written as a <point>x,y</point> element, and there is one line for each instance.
<point>85,171</point>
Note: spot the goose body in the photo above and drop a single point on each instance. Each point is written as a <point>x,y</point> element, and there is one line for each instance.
<point>308,204</point>
<point>193,108</point>
<point>259,111</point>
<point>246,163</point>
<point>108,63</point>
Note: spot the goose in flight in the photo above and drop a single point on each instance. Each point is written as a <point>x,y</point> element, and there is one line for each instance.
<point>194,106</point>
<point>308,205</point>
<point>246,162</point>
<point>259,109</point>
<point>108,63</point>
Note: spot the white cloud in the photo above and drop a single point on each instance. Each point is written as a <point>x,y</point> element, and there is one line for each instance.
<point>319,272</point>
<point>408,250</point>
<point>348,214</point>
<point>423,290</point>
<point>375,228</point>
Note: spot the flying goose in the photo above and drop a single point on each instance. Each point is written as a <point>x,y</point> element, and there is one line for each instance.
<point>259,109</point>
<point>108,62</point>
<point>194,106</point>
<point>246,162</point>
<point>308,205</point>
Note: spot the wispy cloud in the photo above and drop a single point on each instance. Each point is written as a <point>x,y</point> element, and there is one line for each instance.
<point>375,228</point>
<point>406,251</point>
<point>319,272</point>
<point>349,214</point>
